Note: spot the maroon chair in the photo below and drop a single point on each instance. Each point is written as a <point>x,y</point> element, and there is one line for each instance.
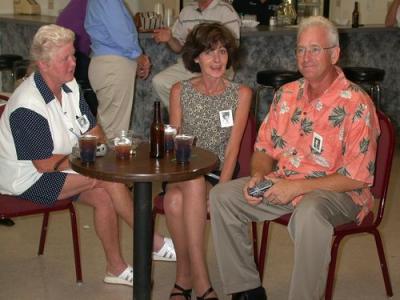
<point>244,157</point>
<point>12,206</point>
<point>371,222</point>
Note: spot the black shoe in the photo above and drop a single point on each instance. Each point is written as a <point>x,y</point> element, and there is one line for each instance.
<point>187,294</point>
<point>254,294</point>
<point>7,222</point>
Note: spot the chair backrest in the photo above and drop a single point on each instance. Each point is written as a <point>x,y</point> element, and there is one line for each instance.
<point>2,97</point>
<point>246,146</point>
<point>383,163</point>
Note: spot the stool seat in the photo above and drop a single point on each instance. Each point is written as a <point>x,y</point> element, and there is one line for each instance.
<point>276,78</point>
<point>364,74</point>
<point>7,60</point>
<point>21,68</point>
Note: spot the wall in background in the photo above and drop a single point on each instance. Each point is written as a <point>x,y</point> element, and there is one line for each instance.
<point>371,11</point>
<point>53,7</point>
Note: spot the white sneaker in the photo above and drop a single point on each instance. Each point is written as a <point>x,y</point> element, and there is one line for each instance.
<point>125,278</point>
<point>167,251</point>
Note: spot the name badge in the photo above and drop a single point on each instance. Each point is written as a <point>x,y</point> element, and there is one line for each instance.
<point>317,142</point>
<point>83,123</point>
<point>226,118</point>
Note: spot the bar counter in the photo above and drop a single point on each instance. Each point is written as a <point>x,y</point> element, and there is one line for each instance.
<point>261,48</point>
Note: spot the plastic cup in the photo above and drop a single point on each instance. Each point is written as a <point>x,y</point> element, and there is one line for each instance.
<point>183,148</point>
<point>159,9</point>
<point>87,148</point>
<point>136,141</point>
<point>169,136</point>
<point>123,146</point>
<point>169,17</point>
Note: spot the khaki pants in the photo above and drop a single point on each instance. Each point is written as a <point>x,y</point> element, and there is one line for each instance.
<point>310,227</point>
<point>113,80</point>
<point>163,81</point>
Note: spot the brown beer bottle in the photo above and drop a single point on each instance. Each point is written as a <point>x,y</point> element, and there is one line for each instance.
<point>356,16</point>
<point>157,133</point>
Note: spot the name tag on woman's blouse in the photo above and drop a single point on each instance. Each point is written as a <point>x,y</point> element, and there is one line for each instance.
<point>83,123</point>
<point>226,118</point>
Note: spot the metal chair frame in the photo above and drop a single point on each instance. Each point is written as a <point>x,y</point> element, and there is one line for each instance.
<point>13,206</point>
<point>369,225</point>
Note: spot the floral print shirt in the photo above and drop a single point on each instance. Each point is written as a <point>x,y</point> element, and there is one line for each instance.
<point>335,133</point>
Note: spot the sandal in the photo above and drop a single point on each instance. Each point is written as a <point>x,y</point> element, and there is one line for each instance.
<point>187,294</point>
<point>208,292</point>
<point>167,251</point>
<point>125,278</point>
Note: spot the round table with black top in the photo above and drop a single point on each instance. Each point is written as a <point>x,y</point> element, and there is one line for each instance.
<point>142,171</point>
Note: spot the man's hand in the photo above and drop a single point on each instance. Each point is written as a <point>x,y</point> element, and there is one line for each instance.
<point>283,191</point>
<point>252,182</point>
<point>162,35</point>
<point>143,66</point>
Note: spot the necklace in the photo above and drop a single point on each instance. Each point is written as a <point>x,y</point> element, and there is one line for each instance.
<point>220,87</point>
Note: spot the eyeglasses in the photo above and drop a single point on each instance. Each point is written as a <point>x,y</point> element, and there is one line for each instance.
<point>313,50</point>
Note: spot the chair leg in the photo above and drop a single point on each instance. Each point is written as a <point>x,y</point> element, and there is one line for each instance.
<point>153,218</point>
<point>255,241</point>
<point>43,233</point>
<point>381,254</point>
<point>332,267</point>
<point>263,249</point>
<point>74,228</point>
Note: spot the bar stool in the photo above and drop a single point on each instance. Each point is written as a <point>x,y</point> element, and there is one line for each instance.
<point>272,79</point>
<point>7,71</point>
<point>20,68</point>
<point>369,79</point>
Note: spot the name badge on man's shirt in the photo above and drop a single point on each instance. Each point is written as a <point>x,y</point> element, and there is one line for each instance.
<point>317,142</point>
<point>226,118</point>
<point>83,123</point>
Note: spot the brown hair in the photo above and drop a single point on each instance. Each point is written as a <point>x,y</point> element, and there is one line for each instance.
<point>207,36</point>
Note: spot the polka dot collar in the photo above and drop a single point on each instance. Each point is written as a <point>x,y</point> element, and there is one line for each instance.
<point>44,90</point>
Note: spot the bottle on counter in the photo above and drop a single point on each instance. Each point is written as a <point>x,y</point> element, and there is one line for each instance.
<point>356,16</point>
<point>157,133</point>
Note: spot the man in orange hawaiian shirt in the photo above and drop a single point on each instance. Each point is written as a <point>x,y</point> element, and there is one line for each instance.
<point>318,146</point>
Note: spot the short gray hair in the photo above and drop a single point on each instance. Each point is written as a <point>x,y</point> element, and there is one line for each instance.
<point>318,21</point>
<point>48,39</point>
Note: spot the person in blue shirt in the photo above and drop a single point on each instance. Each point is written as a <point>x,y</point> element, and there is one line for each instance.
<point>117,58</point>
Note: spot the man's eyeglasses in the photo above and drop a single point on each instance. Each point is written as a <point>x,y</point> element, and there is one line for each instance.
<point>313,50</point>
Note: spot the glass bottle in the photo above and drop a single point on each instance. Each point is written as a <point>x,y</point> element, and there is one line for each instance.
<point>355,16</point>
<point>157,133</point>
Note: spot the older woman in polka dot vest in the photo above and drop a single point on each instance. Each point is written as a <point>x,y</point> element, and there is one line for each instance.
<point>38,129</point>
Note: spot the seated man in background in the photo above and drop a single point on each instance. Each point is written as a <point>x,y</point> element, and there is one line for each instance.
<point>393,14</point>
<point>318,146</point>
<point>202,11</point>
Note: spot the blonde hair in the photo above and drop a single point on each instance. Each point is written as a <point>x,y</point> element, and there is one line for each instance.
<point>318,21</point>
<point>48,39</point>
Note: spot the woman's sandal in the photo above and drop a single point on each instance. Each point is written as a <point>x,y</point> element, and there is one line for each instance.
<point>208,292</point>
<point>187,294</point>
